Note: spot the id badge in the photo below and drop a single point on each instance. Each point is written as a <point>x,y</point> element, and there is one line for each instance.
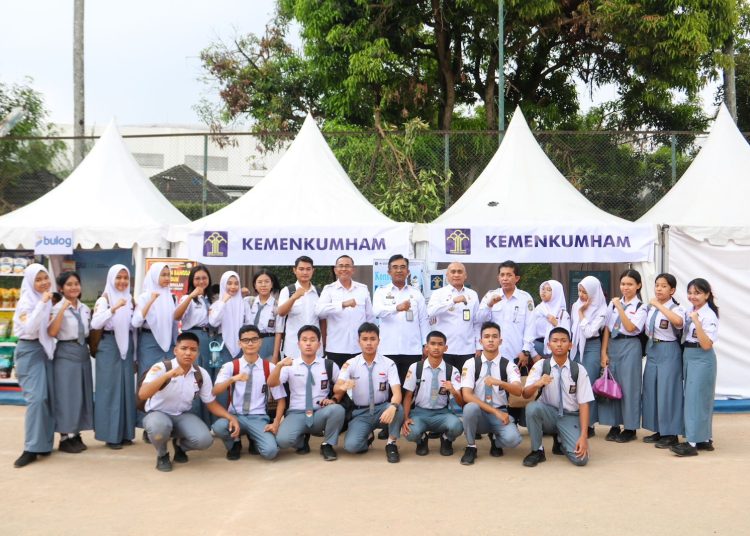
<point>410,316</point>
<point>442,391</point>
<point>323,385</point>
<point>271,323</point>
<point>663,323</point>
<point>264,389</point>
<point>383,386</point>
<point>467,315</point>
<point>572,389</point>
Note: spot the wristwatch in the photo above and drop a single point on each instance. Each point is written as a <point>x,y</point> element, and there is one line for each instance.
<point>526,353</point>
<point>394,405</point>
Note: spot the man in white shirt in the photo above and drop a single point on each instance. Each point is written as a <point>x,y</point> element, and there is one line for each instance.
<point>297,308</point>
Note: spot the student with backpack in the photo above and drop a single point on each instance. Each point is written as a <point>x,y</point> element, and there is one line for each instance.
<point>246,379</point>
<point>563,392</point>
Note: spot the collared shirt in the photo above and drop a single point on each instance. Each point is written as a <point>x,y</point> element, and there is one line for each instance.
<point>709,321</point>
<point>425,390</point>
<point>384,374</point>
<point>664,330</point>
<point>29,320</point>
<point>196,314</point>
<point>499,396</point>
<point>301,314</point>
<point>573,397</point>
<point>216,314</point>
<point>258,398</point>
<point>102,315</point>
<point>540,324</point>
<point>343,322</point>
<point>69,327</point>
<point>296,376</point>
<point>514,315</point>
<point>458,321</point>
<point>177,397</point>
<point>637,317</point>
<point>398,334</point>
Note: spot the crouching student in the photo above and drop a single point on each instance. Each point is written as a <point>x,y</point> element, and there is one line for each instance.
<point>312,407</point>
<point>246,379</point>
<point>485,382</point>
<point>168,390</point>
<point>430,385</point>
<point>562,408</point>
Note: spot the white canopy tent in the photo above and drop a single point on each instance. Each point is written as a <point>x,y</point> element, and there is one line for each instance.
<point>705,225</point>
<point>107,202</point>
<point>306,205</point>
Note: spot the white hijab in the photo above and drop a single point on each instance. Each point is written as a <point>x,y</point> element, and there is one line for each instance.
<point>597,307</point>
<point>121,318</point>
<point>29,300</point>
<point>231,320</point>
<point>555,306</point>
<point>160,315</point>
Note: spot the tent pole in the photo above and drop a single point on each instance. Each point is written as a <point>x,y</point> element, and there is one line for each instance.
<point>664,245</point>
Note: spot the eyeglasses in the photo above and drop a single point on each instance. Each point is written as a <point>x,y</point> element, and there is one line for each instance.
<point>250,340</point>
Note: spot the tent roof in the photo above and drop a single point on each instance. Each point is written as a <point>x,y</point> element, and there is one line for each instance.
<point>709,202</point>
<point>107,200</point>
<point>523,185</point>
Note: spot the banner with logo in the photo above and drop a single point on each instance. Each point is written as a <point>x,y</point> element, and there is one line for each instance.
<point>179,270</point>
<point>54,242</point>
<point>542,243</point>
<point>261,246</point>
<point>380,277</point>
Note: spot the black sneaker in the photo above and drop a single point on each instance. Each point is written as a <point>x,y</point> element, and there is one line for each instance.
<point>69,445</point>
<point>684,449</point>
<point>625,436</point>
<point>253,448</point>
<point>446,447</point>
<point>557,447</point>
<point>370,439</point>
<point>115,446</point>
<point>470,454</point>
<point>179,455</point>
<point>383,434</point>
<point>423,448</point>
<point>534,458</point>
<point>328,453</point>
<point>653,438</point>
<point>163,464</point>
<point>495,451</point>
<point>705,445</point>
<point>145,437</point>
<point>78,441</point>
<point>127,442</point>
<point>666,442</point>
<point>391,453</point>
<point>25,459</point>
<point>592,431</point>
<point>305,448</point>
<point>235,452</point>
<point>612,434</point>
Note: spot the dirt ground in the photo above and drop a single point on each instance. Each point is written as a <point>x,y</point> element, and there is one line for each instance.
<point>625,489</point>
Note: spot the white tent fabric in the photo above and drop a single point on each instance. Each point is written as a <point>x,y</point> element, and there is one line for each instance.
<point>522,207</point>
<point>306,205</point>
<point>707,230</point>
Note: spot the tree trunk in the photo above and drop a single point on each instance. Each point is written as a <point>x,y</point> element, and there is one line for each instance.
<point>445,65</point>
<point>730,93</point>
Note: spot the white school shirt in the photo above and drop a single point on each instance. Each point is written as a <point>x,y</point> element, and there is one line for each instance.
<point>258,398</point>
<point>267,319</point>
<point>102,316</point>
<point>301,314</point>
<point>709,321</point>
<point>196,314</point>
<point>663,328</point>
<point>69,327</point>
<point>35,320</point>
<point>572,397</point>
<point>457,321</point>
<point>499,396</point>
<point>296,376</point>
<point>177,397</point>
<point>384,374</point>
<point>216,313</point>
<point>514,315</point>
<point>425,390</point>
<point>399,336</point>
<point>636,317</point>
<point>343,322</point>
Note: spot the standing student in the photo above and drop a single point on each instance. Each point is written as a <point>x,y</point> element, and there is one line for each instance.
<point>700,332</point>
<point>33,359</point>
<point>262,309</point>
<point>73,403</point>
<point>114,399</point>
<point>297,308</point>
<point>662,376</point>
<point>550,313</point>
<point>622,351</point>
<point>588,314</point>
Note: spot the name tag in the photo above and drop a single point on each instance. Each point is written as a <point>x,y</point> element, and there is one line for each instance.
<point>383,386</point>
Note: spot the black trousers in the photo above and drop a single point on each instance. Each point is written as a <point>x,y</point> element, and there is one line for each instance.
<point>403,362</point>
<point>457,360</point>
<point>339,359</point>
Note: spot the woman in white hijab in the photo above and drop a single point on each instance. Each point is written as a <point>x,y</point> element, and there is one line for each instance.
<point>114,410</point>
<point>551,312</point>
<point>33,360</point>
<point>587,320</point>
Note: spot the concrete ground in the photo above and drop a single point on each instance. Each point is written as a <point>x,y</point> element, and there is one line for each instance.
<point>626,489</point>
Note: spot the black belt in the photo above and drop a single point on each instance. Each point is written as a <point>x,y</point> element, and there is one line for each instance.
<point>198,328</point>
<point>504,408</point>
<point>627,336</point>
<point>266,335</point>
<point>28,340</point>
<point>368,405</point>
<point>540,339</point>
<point>598,337</point>
<point>70,340</point>
<point>691,345</point>
<point>662,341</point>
<point>146,329</point>
<point>108,332</point>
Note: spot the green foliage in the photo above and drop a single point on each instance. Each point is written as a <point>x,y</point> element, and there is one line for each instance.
<point>194,210</point>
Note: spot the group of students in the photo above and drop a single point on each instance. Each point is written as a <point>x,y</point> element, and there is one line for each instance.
<point>255,364</point>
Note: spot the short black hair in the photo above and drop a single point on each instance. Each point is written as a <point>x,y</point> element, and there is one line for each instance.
<point>308,327</point>
<point>188,336</point>
<point>490,325</point>
<point>368,327</point>
<point>344,257</point>
<point>248,327</point>
<point>510,264</point>
<point>559,329</point>
<point>438,334</point>
<point>397,257</point>
<point>303,258</point>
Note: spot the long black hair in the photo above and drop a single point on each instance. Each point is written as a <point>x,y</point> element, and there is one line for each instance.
<point>636,276</point>
<point>671,281</point>
<point>208,291</point>
<point>703,286</point>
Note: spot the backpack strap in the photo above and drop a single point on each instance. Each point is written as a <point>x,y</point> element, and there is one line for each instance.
<point>418,378</point>
<point>329,372</point>
<point>266,374</point>
<point>547,369</point>
<point>235,371</point>
<point>477,368</point>
<point>504,369</point>
<point>198,376</point>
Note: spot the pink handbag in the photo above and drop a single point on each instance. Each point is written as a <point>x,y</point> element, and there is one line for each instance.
<point>606,386</point>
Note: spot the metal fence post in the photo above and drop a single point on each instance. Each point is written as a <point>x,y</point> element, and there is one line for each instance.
<point>205,175</point>
<point>446,168</point>
<point>673,139</point>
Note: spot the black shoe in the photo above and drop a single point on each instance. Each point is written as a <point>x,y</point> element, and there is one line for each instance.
<point>163,464</point>
<point>370,439</point>
<point>423,449</point>
<point>43,453</point>
<point>115,446</point>
<point>612,434</point>
<point>383,434</point>
<point>470,454</point>
<point>534,458</point>
<point>557,447</point>
<point>625,436</point>
<point>391,453</point>
<point>592,431</point>
<point>666,442</point>
<point>653,438</point>
<point>78,441</point>
<point>25,459</point>
<point>705,445</point>
<point>305,448</point>
<point>69,445</point>
<point>179,455</point>
<point>328,453</point>
<point>235,452</point>
<point>446,447</point>
<point>253,448</point>
<point>684,449</point>
<point>477,437</point>
<point>495,451</point>
<point>145,437</point>
<point>127,442</point>
<point>434,435</point>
